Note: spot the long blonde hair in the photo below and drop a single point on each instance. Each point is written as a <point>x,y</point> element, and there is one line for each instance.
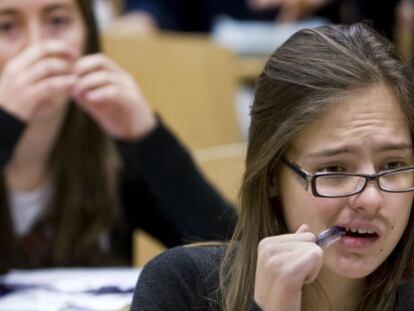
<point>308,74</point>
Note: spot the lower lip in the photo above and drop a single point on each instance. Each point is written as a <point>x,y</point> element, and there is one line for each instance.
<point>354,242</point>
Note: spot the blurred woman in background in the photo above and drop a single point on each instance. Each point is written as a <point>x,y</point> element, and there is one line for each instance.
<point>84,160</point>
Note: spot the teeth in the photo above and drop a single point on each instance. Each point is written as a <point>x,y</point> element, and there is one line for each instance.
<point>360,231</point>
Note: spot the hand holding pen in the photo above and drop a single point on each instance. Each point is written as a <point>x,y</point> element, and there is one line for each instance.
<point>285,263</point>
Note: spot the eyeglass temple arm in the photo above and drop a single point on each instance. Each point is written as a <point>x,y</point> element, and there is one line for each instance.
<point>296,168</point>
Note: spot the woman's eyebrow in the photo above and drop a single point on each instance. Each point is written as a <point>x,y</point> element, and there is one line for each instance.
<point>330,152</point>
<point>397,146</point>
<point>7,11</point>
<point>51,7</point>
<point>58,6</point>
<point>348,150</point>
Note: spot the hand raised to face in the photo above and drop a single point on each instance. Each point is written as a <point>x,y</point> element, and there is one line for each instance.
<point>110,95</point>
<point>284,264</point>
<point>45,75</point>
<point>35,77</point>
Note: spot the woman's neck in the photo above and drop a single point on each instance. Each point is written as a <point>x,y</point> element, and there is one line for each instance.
<point>28,167</point>
<point>332,293</point>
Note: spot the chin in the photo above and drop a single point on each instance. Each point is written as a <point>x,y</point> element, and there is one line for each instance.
<point>354,267</point>
<point>355,274</point>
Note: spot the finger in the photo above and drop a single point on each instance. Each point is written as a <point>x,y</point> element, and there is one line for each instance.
<point>269,247</point>
<point>302,264</point>
<point>93,81</point>
<point>304,237</point>
<point>303,228</point>
<point>90,63</point>
<point>47,49</point>
<point>301,236</point>
<point>97,103</point>
<point>52,86</point>
<point>312,261</point>
<point>101,95</point>
<point>48,67</point>
<point>283,248</point>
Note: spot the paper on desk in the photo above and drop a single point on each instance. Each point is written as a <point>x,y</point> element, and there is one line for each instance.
<point>66,289</point>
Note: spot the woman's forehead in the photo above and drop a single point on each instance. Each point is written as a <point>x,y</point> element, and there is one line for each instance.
<point>33,6</point>
<point>363,119</point>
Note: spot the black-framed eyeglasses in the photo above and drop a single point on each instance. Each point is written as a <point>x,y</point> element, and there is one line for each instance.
<point>338,185</point>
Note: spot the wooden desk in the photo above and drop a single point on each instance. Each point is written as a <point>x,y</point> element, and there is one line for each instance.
<point>249,68</point>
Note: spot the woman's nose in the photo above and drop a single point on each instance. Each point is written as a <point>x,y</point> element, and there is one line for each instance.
<point>370,200</point>
<point>35,33</point>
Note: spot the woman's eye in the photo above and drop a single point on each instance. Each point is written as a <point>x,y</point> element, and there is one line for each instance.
<point>59,21</point>
<point>331,169</point>
<point>393,165</point>
<point>7,27</point>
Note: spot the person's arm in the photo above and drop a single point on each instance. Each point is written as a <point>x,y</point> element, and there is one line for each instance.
<point>11,130</point>
<point>176,194</point>
<point>154,160</point>
<point>27,84</point>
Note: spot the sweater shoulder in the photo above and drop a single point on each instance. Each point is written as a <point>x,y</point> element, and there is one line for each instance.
<point>195,260</point>
<point>183,278</point>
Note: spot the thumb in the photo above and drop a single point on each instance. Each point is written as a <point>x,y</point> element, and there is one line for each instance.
<point>303,228</point>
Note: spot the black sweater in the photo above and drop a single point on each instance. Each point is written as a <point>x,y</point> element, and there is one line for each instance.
<point>186,279</point>
<point>161,190</point>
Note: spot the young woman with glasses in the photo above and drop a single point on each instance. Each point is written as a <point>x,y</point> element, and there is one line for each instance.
<point>330,146</point>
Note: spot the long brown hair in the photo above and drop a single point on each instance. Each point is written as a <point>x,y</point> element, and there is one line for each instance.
<point>312,71</point>
<point>84,166</point>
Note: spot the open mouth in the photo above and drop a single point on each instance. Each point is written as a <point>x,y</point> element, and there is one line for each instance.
<point>360,233</point>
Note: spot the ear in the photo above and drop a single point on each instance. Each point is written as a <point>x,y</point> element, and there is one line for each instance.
<point>273,191</point>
